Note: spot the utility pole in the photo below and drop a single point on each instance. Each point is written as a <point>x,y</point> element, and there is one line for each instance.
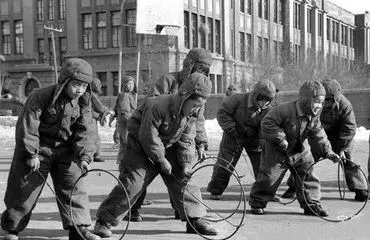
<point>120,50</point>
<point>53,29</point>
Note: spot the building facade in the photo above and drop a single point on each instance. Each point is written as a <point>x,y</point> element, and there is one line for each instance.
<point>242,35</point>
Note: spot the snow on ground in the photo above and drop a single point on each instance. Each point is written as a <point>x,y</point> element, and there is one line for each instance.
<point>214,131</point>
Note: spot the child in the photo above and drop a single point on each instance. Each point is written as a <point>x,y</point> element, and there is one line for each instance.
<point>125,106</point>
<point>289,130</point>
<point>240,117</point>
<point>161,141</point>
<point>99,114</point>
<point>54,134</point>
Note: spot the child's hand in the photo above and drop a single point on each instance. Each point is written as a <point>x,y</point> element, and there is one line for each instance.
<point>84,166</point>
<point>186,174</point>
<point>166,167</point>
<point>34,163</point>
<point>201,154</point>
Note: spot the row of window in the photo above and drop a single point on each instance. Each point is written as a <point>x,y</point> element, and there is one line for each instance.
<point>9,28</point>
<point>87,3</point>
<point>209,5</point>
<point>52,8</point>
<point>194,38</point>
<point>263,9</point>
<point>61,50</point>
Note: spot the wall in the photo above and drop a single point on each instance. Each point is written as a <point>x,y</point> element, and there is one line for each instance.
<point>359,98</point>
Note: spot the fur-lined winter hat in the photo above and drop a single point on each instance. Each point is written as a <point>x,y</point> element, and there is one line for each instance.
<point>197,84</point>
<point>332,87</point>
<point>308,91</point>
<point>200,55</point>
<point>265,88</point>
<point>96,86</point>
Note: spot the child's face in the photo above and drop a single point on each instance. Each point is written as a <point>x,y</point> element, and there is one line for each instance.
<point>130,86</point>
<point>75,88</point>
<point>192,106</point>
<point>317,104</point>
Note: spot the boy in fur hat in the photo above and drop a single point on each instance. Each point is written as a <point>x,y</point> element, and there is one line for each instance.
<point>54,134</point>
<point>338,119</point>
<point>289,130</point>
<point>240,117</point>
<point>161,141</point>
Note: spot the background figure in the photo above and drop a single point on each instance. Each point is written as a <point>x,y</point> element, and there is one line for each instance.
<point>240,117</point>
<point>54,134</point>
<point>161,141</point>
<point>125,106</point>
<point>291,132</point>
<point>338,119</point>
<point>99,114</point>
<point>232,88</point>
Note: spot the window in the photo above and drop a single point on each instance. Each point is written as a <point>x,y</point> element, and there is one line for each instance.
<point>260,48</point>
<point>296,16</point>
<point>147,40</point>
<point>85,3</point>
<point>4,7</point>
<point>115,83</point>
<point>116,29</point>
<point>131,38</point>
<point>18,36</point>
<point>309,20</point>
<point>344,35</point>
<point>265,48</point>
<point>194,29</point>
<point>320,23</point>
<point>219,84</point>
<point>51,9</point>
<point>102,30</point>
<point>202,36</point>
<point>40,11</point>
<point>249,6</point>
<point>276,10</point>
<point>218,36</point>
<point>51,55</point>
<point>104,84</point>
<point>87,31</point>
<point>259,8</point>
<point>210,35</point>
<point>275,51</point>
<point>328,29</point>
<point>41,50</point>
<point>351,37</point>
<point>114,1</point>
<point>266,9</point>
<point>248,45</point>
<point>16,6</point>
<point>62,49</point>
<point>217,7</point>
<point>5,31</point>
<point>186,30</point>
<point>242,46</point>
<point>335,32</point>
<point>62,9</point>
<point>242,6</point>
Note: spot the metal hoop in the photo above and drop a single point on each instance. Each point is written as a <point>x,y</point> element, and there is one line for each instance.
<point>342,195</point>
<point>119,182</point>
<point>339,218</point>
<point>242,197</point>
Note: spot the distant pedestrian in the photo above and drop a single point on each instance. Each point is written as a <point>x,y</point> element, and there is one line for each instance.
<point>286,130</point>
<point>231,89</point>
<point>54,134</point>
<point>99,113</point>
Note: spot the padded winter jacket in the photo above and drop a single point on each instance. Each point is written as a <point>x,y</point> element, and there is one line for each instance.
<point>125,106</point>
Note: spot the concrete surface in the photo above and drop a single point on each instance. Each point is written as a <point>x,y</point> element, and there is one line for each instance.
<point>279,222</point>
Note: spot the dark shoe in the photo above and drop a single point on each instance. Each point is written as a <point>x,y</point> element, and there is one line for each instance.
<point>257,211</point>
<point>11,236</point>
<point>84,234</point>
<point>315,210</point>
<point>98,159</point>
<point>177,215</point>
<point>135,216</point>
<point>147,202</point>
<point>289,193</point>
<point>201,226</point>
<point>102,229</point>
<point>361,195</point>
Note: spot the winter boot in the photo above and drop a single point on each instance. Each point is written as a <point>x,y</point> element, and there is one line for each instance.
<point>82,234</point>
<point>201,226</point>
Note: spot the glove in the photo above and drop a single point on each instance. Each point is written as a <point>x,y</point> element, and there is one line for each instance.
<point>186,174</point>
<point>111,119</point>
<point>201,154</point>
<point>166,167</point>
<point>333,157</point>
<point>34,163</point>
<point>84,166</point>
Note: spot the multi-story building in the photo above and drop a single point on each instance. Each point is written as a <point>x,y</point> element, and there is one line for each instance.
<point>242,35</point>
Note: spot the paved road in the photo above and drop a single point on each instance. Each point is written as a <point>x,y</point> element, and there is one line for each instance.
<point>280,221</point>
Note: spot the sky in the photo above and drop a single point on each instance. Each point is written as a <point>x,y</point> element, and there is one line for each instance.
<point>355,6</point>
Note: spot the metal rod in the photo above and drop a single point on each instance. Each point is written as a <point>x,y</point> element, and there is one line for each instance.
<point>120,50</point>
<point>53,29</point>
<point>138,65</point>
